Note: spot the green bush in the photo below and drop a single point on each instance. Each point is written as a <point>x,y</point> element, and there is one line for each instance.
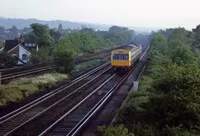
<point>63,59</point>
<point>167,102</point>
<point>80,68</point>
<point>7,61</point>
<point>41,56</point>
<point>118,130</point>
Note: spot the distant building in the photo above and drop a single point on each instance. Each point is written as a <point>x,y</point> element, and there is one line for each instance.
<point>31,46</point>
<point>20,49</point>
<point>16,49</point>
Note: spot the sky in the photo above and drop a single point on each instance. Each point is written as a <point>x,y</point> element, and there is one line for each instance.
<point>141,13</point>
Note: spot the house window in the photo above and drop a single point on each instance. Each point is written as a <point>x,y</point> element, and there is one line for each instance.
<point>24,57</point>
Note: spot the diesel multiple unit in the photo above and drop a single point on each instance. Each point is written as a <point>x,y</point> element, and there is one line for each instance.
<point>124,58</point>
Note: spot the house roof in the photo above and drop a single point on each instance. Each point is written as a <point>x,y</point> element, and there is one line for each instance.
<point>10,44</point>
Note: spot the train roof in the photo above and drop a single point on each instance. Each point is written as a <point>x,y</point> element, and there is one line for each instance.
<point>130,46</point>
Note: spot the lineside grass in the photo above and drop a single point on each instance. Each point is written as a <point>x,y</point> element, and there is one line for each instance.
<point>20,88</point>
<point>82,67</point>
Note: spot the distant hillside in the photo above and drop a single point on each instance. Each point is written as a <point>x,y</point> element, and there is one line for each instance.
<point>22,23</point>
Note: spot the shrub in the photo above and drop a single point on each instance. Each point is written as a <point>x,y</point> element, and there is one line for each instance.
<point>118,130</point>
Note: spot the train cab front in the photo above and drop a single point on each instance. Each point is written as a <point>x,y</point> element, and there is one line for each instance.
<point>121,70</point>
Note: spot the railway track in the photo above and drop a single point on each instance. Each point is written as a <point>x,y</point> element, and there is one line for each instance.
<point>72,121</point>
<point>53,102</point>
<point>11,73</point>
<point>9,76</point>
<point>66,109</point>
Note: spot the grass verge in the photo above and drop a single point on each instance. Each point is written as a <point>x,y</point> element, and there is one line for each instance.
<point>20,88</point>
<point>83,67</point>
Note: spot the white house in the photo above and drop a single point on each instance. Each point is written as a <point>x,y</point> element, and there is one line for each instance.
<point>14,48</point>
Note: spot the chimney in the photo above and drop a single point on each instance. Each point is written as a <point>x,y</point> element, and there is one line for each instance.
<point>21,38</point>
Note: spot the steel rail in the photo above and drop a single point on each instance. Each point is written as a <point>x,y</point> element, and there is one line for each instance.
<point>28,70</point>
<point>48,95</point>
<point>99,105</point>
<point>75,107</point>
<point>5,77</point>
<point>54,104</point>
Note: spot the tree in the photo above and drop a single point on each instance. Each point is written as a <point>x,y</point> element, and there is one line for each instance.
<point>182,55</point>
<point>168,102</point>
<point>41,56</point>
<point>14,31</point>
<point>159,43</point>
<point>63,59</point>
<point>7,61</point>
<point>119,35</point>
<point>55,34</point>
<point>176,97</point>
<point>30,37</point>
<point>196,35</point>
<point>60,28</point>
<point>43,37</point>
<point>1,44</point>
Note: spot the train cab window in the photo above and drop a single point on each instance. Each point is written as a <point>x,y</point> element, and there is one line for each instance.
<point>115,57</point>
<point>120,57</point>
<point>125,57</point>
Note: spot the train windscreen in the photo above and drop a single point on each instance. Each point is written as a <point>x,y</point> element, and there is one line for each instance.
<point>120,56</point>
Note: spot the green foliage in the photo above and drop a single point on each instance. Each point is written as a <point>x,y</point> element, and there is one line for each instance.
<point>167,102</point>
<point>119,34</point>
<point>119,130</point>
<point>20,88</point>
<point>196,37</point>
<point>42,35</point>
<point>88,41</point>
<point>41,56</point>
<point>7,61</point>
<point>13,31</point>
<point>176,131</point>
<point>82,67</point>
<point>1,44</point>
<point>182,55</point>
<point>74,44</point>
<point>64,59</point>
<point>55,34</point>
<point>83,42</point>
<point>12,93</point>
<point>30,37</point>
<point>178,36</point>
<point>159,43</point>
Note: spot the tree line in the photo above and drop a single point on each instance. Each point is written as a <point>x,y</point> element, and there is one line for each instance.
<point>54,46</point>
<point>167,102</point>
